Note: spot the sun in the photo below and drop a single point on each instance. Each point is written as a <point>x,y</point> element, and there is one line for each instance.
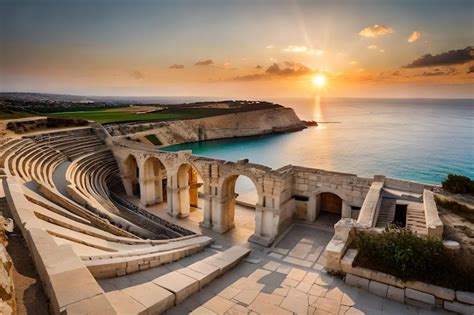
<point>319,80</point>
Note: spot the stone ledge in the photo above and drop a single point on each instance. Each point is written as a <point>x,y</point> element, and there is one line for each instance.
<point>465,297</point>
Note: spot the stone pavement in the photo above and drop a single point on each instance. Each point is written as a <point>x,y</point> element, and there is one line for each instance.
<point>288,280</point>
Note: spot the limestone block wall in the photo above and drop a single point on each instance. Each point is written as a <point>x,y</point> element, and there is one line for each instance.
<point>310,182</point>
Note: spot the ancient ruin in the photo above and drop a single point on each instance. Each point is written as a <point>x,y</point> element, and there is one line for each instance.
<point>80,197</point>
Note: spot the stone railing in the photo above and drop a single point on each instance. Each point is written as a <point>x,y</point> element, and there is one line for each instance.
<point>369,210</point>
<point>433,222</point>
<point>409,292</point>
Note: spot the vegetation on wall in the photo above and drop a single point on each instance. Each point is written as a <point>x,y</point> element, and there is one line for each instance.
<point>153,139</point>
<point>405,255</point>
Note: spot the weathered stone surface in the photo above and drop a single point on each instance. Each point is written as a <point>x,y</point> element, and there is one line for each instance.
<point>420,296</point>
<point>357,281</point>
<point>444,293</point>
<point>458,307</point>
<point>465,297</point>
<point>396,294</point>
<point>378,288</point>
<point>182,286</point>
<point>154,298</point>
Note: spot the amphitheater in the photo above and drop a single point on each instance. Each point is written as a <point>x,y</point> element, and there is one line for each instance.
<point>115,226</point>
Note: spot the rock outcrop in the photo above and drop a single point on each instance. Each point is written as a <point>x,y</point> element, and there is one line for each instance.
<point>253,123</point>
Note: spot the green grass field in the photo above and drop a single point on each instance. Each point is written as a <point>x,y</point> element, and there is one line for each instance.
<point>112,115</point>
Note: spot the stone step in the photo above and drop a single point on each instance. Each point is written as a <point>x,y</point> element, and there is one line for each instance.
<point>158,289</point>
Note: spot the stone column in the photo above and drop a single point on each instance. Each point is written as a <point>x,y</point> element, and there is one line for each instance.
<point>311,209</point>
<point>127,184</point>
<point>207,212</point>
<point>223,213</point>
<point>147,192</point>
<point>346,211</point>
<point>183,205</point>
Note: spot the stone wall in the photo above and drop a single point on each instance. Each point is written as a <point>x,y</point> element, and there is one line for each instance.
<point>310,182</point>
<point>216,127</point>
<point>7,288</point>
<point>410,292</point>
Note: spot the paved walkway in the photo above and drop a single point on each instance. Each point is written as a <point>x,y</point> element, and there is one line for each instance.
<point>287,278</point>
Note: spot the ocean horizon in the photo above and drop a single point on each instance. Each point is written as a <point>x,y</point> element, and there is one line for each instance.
<point>420,140</point>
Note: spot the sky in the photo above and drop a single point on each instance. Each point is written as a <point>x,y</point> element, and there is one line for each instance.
<point>239,48</point>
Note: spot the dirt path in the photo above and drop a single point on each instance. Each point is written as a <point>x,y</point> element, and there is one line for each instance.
<point>30,297</point>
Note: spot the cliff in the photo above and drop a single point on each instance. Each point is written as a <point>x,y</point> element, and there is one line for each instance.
<point>253,123</point>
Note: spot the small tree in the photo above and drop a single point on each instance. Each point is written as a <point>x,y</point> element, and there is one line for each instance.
<point>458,184</point>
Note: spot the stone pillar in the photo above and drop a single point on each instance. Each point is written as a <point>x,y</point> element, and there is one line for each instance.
<point>265,229</point>
<point>147,192</point>
<point>207,212</point>
<point>223,213</point>
<point>183,205</point>
<point>311,209</point>
<point>127,184</point>
<point>346,211</point>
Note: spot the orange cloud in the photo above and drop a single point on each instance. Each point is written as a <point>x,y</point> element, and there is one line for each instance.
<point>376,31</point>
<point>414,37</point>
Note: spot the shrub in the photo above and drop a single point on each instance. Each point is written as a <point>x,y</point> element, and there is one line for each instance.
<point>402,253</point>
<point>458,184</point>
<point>153,139</point>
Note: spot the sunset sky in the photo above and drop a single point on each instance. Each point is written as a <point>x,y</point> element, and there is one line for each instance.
<point>238,48</point>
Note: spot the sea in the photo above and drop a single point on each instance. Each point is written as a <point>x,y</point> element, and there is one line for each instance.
<point>420,140</point>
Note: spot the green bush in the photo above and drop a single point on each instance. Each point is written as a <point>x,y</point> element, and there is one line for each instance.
<point>153,139</point>
<point>402,253</point>
<point>458,184</point>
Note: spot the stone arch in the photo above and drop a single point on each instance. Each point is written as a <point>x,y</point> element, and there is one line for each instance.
<point>223,208</point>
<point>183,189</point>
<point>152,181</point>
<point>131,175</point>
<point>316,202</point>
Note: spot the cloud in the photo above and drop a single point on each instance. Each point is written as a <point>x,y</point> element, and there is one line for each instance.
<point>353,62</point>
<point>382,50</point>
<point>372,46</point>
<point>176,66</point>
<point>302,50</point>
<point>414,37</point>
<point>206,62</point>
<point>451,57</point>
<point>137,75</point>
<point>376,31</point>
<point>284,69</point>
<point>258,67</point>
<point>437,72</point>
<point>288,68</point>
<point>471,69</point>
<point>270,46</point>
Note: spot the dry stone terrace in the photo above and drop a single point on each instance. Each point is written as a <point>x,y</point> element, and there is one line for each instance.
<point>82,201</point>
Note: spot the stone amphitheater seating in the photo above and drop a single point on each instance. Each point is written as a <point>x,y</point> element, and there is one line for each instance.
<point>71,237</point>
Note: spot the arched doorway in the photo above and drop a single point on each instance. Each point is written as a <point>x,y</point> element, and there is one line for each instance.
<point>224,215</point>
<point>184,191</point>
<point>131,176</point>
<point>153,182</point>
<point>330,203</point>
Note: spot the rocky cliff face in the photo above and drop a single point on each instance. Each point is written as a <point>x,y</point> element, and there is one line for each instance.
<point>244,124</point>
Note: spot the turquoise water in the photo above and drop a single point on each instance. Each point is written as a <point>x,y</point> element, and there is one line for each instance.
<point>419,140</point>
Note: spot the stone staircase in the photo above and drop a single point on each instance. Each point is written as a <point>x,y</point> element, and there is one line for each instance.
<point>386,212</point>
<point>416,221</point>
<point>158,289</point>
